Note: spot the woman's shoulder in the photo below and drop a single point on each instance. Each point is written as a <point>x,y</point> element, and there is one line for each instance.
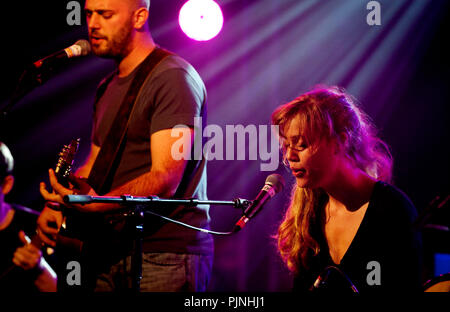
<point>393,200</point>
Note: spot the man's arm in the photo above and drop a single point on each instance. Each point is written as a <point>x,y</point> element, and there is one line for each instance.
<point>85,169</point>
<point>166,172</point>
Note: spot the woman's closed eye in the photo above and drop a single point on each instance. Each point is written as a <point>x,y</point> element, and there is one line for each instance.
<point>296,147</point>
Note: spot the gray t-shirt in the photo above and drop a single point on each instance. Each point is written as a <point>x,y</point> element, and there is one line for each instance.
<point>173,95</point>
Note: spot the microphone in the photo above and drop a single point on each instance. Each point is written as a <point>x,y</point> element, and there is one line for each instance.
<point>274,184</point>
<point>80,48</point>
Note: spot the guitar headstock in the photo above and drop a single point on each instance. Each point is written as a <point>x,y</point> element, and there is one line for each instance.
<point>65,161</point>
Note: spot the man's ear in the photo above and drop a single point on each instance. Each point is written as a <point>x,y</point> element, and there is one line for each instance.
<point>7,184</point>
<point>140,18</point>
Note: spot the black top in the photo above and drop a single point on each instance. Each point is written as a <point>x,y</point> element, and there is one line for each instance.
<point>385,254</point>
<point>17,279</point>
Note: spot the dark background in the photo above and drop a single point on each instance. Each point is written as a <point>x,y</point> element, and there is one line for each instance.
<point>267,53</point>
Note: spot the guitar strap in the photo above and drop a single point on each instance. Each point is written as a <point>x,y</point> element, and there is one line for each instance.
<point>108,158</point>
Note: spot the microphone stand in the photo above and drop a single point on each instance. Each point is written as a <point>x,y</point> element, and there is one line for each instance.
<point>140,205</point>
<point>433,207</point>
<point>32,77</point>
<point>28,81</point>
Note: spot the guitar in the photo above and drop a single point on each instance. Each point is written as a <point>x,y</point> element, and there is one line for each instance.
<point>78,227</point>
<point>65,162</point>
<point>66,237</point>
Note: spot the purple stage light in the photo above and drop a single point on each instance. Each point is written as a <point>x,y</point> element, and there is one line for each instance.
<point>201,20</point>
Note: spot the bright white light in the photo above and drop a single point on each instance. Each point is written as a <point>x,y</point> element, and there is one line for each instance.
<point>201,20</point>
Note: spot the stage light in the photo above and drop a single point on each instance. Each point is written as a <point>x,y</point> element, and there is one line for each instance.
<point>201,20</point>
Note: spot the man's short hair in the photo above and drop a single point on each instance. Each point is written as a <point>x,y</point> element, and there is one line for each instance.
<point>144,3</point>
<point>6,161</point>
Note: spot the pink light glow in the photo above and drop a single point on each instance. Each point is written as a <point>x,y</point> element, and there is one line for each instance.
<point>201,20</point>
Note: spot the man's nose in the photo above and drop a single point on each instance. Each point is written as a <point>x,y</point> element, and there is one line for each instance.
<point>93,21</point>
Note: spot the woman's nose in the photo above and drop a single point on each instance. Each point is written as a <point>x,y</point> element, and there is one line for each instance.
<point>292,155</point>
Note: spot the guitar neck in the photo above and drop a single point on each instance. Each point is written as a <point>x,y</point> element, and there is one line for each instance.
<point>36,241</point>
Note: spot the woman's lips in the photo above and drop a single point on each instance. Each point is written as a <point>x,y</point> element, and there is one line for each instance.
<point>298,172</point>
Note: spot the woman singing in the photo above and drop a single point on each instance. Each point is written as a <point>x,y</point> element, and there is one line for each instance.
<point>345,222</point>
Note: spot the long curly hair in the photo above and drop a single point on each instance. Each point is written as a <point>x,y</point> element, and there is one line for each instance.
<point>325,112</point>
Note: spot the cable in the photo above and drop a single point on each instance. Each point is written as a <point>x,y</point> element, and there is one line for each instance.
<point>353,287</point>
<point>189,226</point>
<point>321,280</point>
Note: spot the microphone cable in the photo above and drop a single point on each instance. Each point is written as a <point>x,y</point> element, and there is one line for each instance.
<point>190,226</point>
<point>322,280</point>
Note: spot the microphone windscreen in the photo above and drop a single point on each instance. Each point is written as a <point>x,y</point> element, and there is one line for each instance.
<point>85,46</point>
<point>277,181</point>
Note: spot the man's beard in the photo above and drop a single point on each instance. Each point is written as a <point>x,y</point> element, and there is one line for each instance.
<point>118,46</point>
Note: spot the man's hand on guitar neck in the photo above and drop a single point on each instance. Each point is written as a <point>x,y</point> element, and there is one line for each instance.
<point>78,186</point>
<point>51,218</point>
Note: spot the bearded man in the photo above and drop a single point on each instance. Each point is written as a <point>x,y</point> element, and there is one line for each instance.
<point>151,91</point>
